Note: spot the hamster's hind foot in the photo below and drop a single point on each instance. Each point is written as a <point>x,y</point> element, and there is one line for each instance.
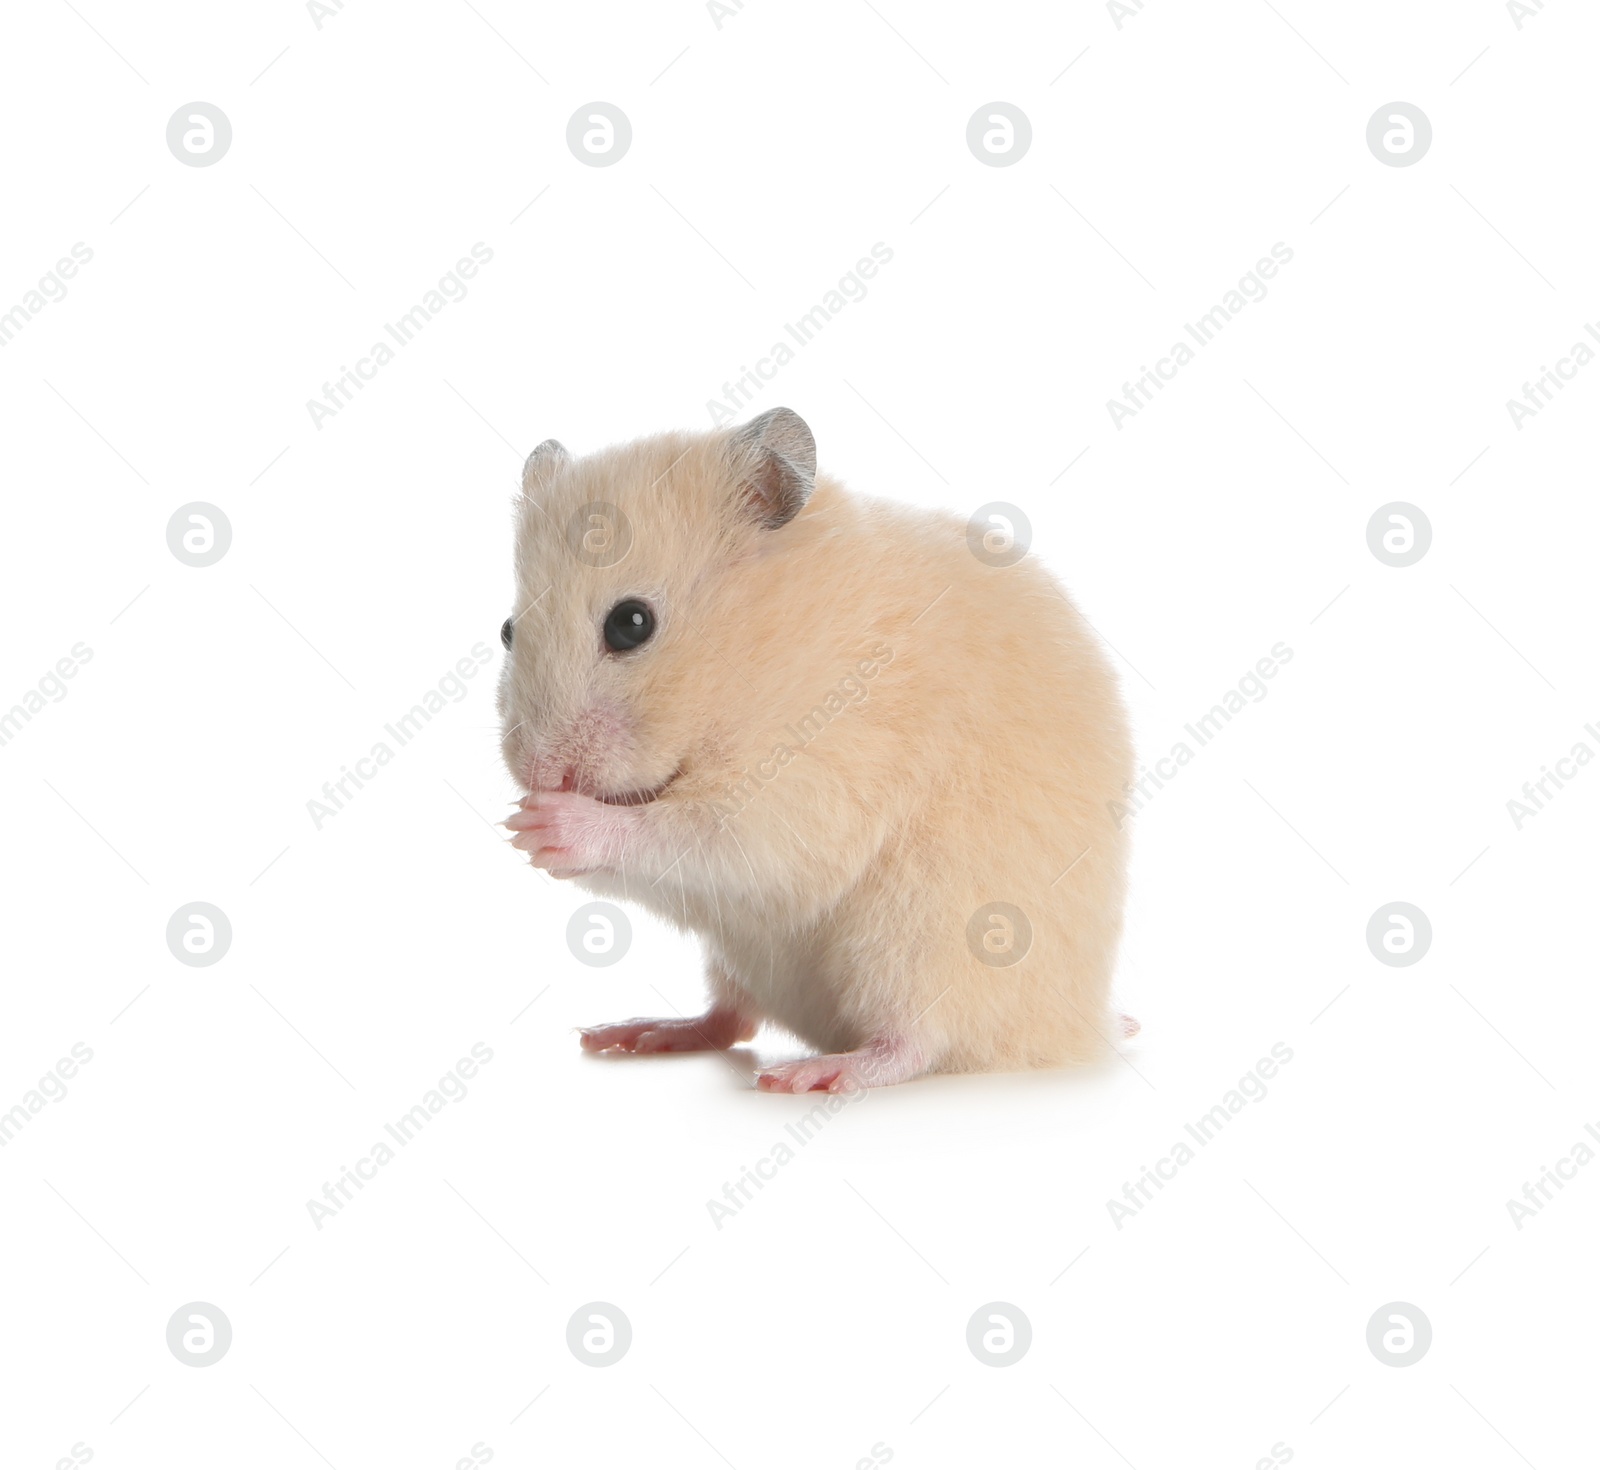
<point>1130,1026</point>
<point>715,1031</point>
<point>879,1064</point>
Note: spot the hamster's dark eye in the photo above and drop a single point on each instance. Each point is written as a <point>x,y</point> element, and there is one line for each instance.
<point>628,625</point>
<point>505,633</point>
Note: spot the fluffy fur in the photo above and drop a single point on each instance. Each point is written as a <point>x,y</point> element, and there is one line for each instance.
<point>862,737</point>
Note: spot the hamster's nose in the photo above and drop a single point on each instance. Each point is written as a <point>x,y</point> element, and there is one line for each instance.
<point>547,773</point>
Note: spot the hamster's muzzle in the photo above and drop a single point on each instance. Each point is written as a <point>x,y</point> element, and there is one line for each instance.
<point>638,798</point>
<point>545,774</point>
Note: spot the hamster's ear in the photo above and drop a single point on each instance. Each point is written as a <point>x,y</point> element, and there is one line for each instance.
<point>542,463</point>
<point>776,463</point>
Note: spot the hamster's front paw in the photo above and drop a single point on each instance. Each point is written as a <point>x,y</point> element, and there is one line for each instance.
<point>570,835</point>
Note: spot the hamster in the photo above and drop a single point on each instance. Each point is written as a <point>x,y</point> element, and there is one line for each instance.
<point>873,772</point>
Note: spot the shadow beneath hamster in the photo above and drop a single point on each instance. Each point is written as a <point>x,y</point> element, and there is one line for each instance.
<point>744,1061</point>
<point>739,1066</point>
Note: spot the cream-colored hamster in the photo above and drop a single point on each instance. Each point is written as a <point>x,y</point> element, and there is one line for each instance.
<point>871,769</point>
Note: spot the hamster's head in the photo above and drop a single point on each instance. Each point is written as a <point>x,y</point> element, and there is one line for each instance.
<point>623,558</point>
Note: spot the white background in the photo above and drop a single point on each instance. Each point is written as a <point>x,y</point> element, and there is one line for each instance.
<point>370,554</point>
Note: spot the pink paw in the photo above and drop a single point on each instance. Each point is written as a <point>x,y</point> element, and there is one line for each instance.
<point>568,834</point>
<point>713,1032</point>
<point>815,1074</point>
<point>879,1064</point>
